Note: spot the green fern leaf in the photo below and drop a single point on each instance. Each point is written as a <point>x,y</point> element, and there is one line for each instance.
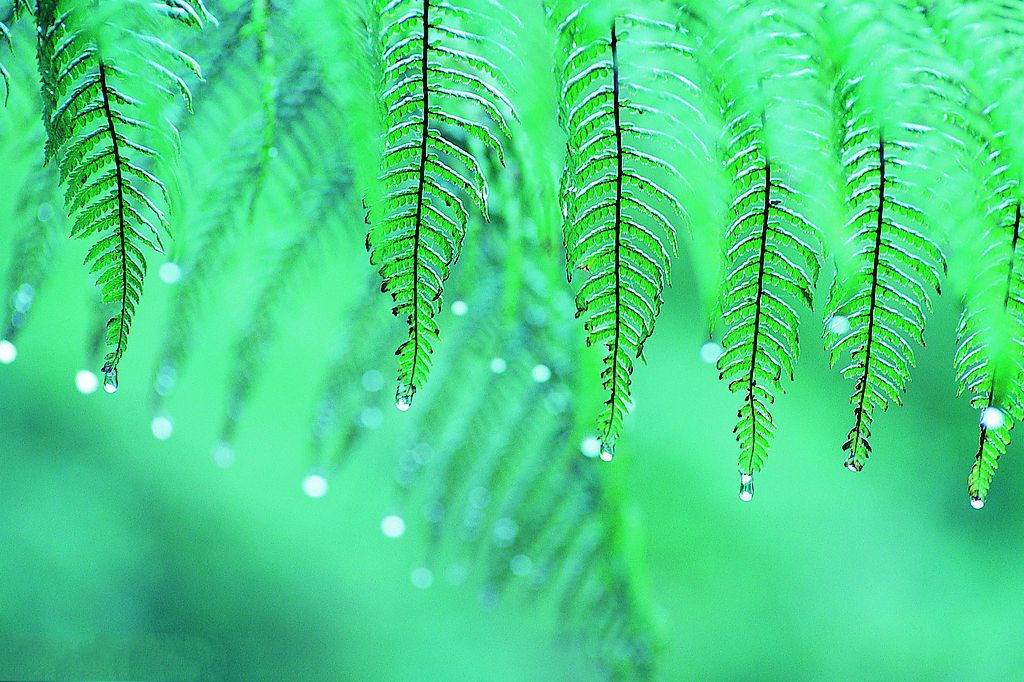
<point>87,64</point>
<point>618,204</point>
<point>435,80</point>
<point>880,311</point>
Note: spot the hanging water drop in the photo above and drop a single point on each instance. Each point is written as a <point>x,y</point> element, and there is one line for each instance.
<point>992,418</point>
<point>110,381</point>
<point>8,352</point>
<point>839,325</point>
<point>373,380</point>
<point>710,352</point>
<point>314,485</point>
<point>746,487</point>
<point>170,272</point>
<point>977,502</point>
<point>223,455</point>
<point>393,526</point>
<point>590,447</point>
<point>541,373</point>
<point>422,577</point>
<point>162,427</point>
<point>607,452</point>
<point>86,382</point>
<point>403,404</point>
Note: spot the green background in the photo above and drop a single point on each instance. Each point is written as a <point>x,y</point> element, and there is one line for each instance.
<point>124,557</point>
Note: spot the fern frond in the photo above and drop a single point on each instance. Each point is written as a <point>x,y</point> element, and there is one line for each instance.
<point>435,79</point>
<point>881,309</point>
<point>995,387</point>
<point>619,205</point>
<point>91,69</point>
<point>772,253</point>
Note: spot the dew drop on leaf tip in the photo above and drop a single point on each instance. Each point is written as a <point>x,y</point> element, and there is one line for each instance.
<point>110,381</point>
<point>746,487</point>
<point>403,404</point>
<point>977,502</point>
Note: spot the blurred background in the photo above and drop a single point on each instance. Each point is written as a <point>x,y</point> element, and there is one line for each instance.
<point>133,546</point>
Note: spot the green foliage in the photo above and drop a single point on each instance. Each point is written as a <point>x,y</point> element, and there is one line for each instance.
<point>88,66</point>
<point>864,143</point>
<point>618,214</point>
<point>433,70</point>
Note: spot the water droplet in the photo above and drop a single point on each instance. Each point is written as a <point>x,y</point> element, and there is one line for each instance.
<point>373,380</point>
<point>710,352</point>
<point>314,485</point>
<point>498,365</point>
<point>851,465</point>
<point>977,502</point>
<point>541,373</point>
<point>370,417</point>
<point>403,404</point>
<point>170,272</point>
<point>460,308</point>
<point>393,526</point>
<point>992,418</point>
<point>838,324</point>
<point>162,427</point>
<point>521,565</point>
<point>166,378</point>
<point>746,487</point>
<point>505,531</point>
<point>607,452</point>
<point>23,298</point>
<point>590,447</point>
<point>86,382</point>
<point>8,352</point>
<point>110,381</point>
<point>223,455</point>
<point>422,577</point>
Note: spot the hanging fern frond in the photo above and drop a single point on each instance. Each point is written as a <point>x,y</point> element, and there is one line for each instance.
<point>90,70</point>
<point>772,253</point>
<point>619,204</point>
<point>995,388</point>
<point>436,78</point>
<point>880,310</point>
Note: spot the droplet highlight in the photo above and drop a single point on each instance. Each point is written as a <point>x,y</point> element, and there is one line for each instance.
<point>314,485</point>
<point>162,427</point>
<point>977,502</point>
<point>746,487</point>
<point>110,381</point>
<point>422,577</point>
<point>8,352</point>
<point>393,526</point>
<point>541,373</point>
<point>590,447</point>
<point>992,418</point>
<point>170,272</point>
<point>86,382</point>
<point>710,352</point>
